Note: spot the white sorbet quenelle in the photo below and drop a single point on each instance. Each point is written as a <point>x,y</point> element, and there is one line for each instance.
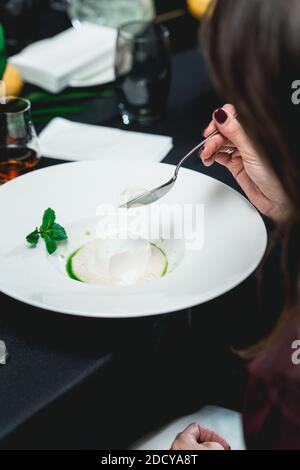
<point>120,258</point>
<point>113,262</point>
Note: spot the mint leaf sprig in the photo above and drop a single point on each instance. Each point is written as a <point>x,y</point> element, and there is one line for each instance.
<point>51,232</point>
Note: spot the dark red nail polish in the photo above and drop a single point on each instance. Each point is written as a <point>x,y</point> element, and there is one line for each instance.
<point>220,116</point>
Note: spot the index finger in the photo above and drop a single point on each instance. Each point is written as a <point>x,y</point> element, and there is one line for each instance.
<point>212,127</point>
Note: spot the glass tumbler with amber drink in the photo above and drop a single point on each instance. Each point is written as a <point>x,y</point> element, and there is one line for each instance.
<point>19,149</point>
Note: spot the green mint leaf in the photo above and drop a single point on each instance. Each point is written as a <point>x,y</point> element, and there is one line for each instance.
<point>58,233</point>
<point>48,220</point>
<point>51,232</point>
<point>33,237</point>
<point>51,244</point>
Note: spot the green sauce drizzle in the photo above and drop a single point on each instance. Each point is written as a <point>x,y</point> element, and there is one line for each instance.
<point>69,266</point>
<point>72,275</point>
<point>165,256</point>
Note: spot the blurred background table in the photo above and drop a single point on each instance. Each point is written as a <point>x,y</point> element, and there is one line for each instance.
<point>75,383</point>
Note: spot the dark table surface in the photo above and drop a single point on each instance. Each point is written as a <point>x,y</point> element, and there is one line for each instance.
<point>98,384</point>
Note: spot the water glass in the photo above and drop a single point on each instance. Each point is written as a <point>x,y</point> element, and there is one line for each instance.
<point>110,12</point>
<point>143,71</point>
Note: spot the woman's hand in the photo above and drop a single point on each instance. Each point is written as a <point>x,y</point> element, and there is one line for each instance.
<point>195,437</point>
<point>257,180</point>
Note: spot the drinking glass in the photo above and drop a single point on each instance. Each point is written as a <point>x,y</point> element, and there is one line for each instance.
<point>143,71</point>
<point>19,149</point>
<point>110,12</point>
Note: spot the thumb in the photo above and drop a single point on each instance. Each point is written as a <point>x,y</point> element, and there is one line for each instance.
<point>229,127</point>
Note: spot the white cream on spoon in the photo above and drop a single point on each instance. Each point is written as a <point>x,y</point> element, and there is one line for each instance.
<point>131,193</point>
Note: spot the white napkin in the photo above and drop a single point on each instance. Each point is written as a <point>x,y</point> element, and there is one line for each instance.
<point>69,140</point>
<point>53,63</point>
<point>96,74</point>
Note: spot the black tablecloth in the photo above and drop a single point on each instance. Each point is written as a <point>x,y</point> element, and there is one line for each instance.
<point>93,383</point>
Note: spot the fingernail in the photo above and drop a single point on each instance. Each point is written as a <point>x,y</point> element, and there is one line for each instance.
<point>209,162</point>
<point>220,116</point>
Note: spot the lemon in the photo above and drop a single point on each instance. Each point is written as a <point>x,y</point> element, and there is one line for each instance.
<point>198,8</point>
<point>13,81</point>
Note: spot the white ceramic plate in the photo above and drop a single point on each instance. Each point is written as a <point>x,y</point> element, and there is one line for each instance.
<point>234,239</point>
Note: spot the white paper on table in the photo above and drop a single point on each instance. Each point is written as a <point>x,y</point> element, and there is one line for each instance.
<point>52,63</point>
<point>67,140</point>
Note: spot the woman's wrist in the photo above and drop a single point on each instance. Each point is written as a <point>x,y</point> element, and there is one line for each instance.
<point>280,213</point>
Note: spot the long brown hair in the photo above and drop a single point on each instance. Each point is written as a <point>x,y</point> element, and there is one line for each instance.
<point>253,51</point>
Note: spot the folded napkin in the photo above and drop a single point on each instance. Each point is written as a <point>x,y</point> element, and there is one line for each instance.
<point>69,140</point>
<point>96,74</point>
<point>52,63</point>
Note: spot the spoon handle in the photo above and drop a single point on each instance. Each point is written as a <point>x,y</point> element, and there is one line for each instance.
<point>194,150</point>
<point>197,148</point>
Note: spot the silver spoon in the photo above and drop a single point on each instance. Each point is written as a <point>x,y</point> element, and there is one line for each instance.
<point>154,194</point>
